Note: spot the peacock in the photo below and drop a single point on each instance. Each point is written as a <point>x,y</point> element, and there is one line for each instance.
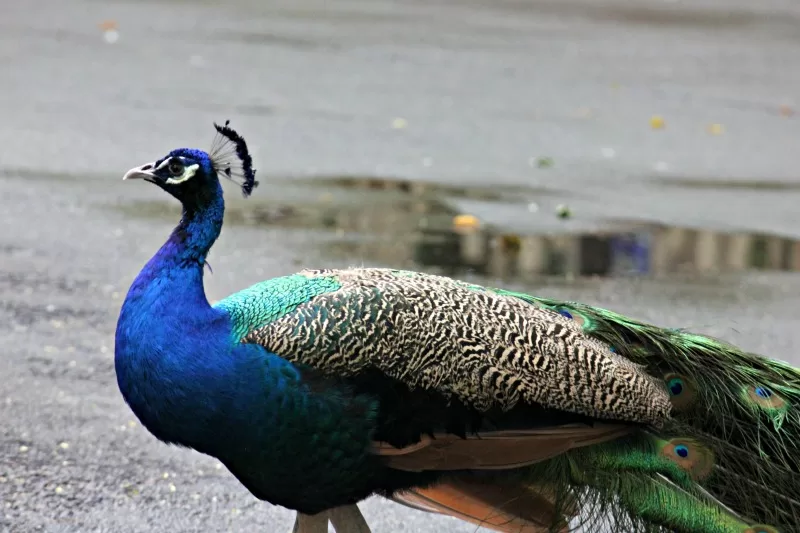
<point>319,389</point>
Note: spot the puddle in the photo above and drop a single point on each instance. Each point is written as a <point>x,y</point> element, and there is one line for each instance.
<point>647,250</point>
<point>415,225</point>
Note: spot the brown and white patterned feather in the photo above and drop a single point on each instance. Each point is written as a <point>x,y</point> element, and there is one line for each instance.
<point>461,340</point>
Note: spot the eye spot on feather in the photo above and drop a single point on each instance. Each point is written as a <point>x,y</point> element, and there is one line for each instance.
<point>577,317</point>
<point>765,397</point>
<point>695,460</point>
<point>681,391</point>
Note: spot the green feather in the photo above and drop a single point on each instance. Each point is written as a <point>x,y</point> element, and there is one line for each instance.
<point>736,411</point>
<point>629,486</point>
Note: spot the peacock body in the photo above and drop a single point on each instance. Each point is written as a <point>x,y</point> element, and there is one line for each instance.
<point>319,389</point>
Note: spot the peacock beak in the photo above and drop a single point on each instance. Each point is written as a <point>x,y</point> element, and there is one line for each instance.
<point>144,172</point>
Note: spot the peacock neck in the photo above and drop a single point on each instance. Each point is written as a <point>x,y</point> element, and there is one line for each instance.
<point>191,240</point>
<point>182,257</point>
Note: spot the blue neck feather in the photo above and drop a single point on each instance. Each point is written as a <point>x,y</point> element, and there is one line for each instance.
<point>172,281</point>
<point>191,240</point>
<point>170,343</point>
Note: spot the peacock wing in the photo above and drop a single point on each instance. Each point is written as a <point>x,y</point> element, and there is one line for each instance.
<point>496,450</point>
<point>507,506</point>
<point>464,341</point>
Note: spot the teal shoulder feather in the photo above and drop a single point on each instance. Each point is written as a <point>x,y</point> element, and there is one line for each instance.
<point>258,305</point>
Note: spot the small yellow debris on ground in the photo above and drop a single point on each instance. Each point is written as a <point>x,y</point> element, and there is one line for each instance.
<point>465,223</point>
<point>657,122</point>
<point>399,123</point>
<point>716,129</point>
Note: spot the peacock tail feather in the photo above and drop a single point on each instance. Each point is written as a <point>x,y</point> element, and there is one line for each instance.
<point>734,412</point>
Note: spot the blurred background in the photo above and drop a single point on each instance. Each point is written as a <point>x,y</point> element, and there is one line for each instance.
<point>640,155</point>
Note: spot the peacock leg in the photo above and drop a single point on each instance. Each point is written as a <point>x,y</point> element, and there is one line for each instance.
<point>348,519</point>
<point>317,523</point>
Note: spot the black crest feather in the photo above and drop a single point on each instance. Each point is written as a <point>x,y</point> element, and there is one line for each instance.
<point>231,159</point>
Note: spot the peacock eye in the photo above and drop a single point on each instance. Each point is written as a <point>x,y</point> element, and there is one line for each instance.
<point>175,167</point>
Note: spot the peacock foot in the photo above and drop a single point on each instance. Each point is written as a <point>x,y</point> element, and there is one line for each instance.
<point>305,523</point>
<point>346,519</point>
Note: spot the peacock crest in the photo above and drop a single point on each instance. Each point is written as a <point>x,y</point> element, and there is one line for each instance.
<point>231,158</point>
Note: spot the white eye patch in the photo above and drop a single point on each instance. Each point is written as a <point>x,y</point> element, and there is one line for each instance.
<point>188,171</point>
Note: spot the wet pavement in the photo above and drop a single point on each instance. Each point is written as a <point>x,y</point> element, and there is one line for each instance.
<point>507,143</point>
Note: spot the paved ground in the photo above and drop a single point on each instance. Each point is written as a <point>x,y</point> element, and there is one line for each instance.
<point>315,89</point>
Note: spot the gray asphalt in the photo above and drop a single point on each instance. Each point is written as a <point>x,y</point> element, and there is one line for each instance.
<point>315,86</point>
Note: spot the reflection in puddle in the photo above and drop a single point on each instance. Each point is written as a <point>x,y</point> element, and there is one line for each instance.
<point>404,225</point>
<point>646,251</point>
<point>649,251</point>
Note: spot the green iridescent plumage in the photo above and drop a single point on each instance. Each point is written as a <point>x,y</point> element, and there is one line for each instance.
<point>264,302</point>
<point>739,408</point>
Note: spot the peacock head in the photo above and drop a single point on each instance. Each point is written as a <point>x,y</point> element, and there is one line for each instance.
<point>191,175</point>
